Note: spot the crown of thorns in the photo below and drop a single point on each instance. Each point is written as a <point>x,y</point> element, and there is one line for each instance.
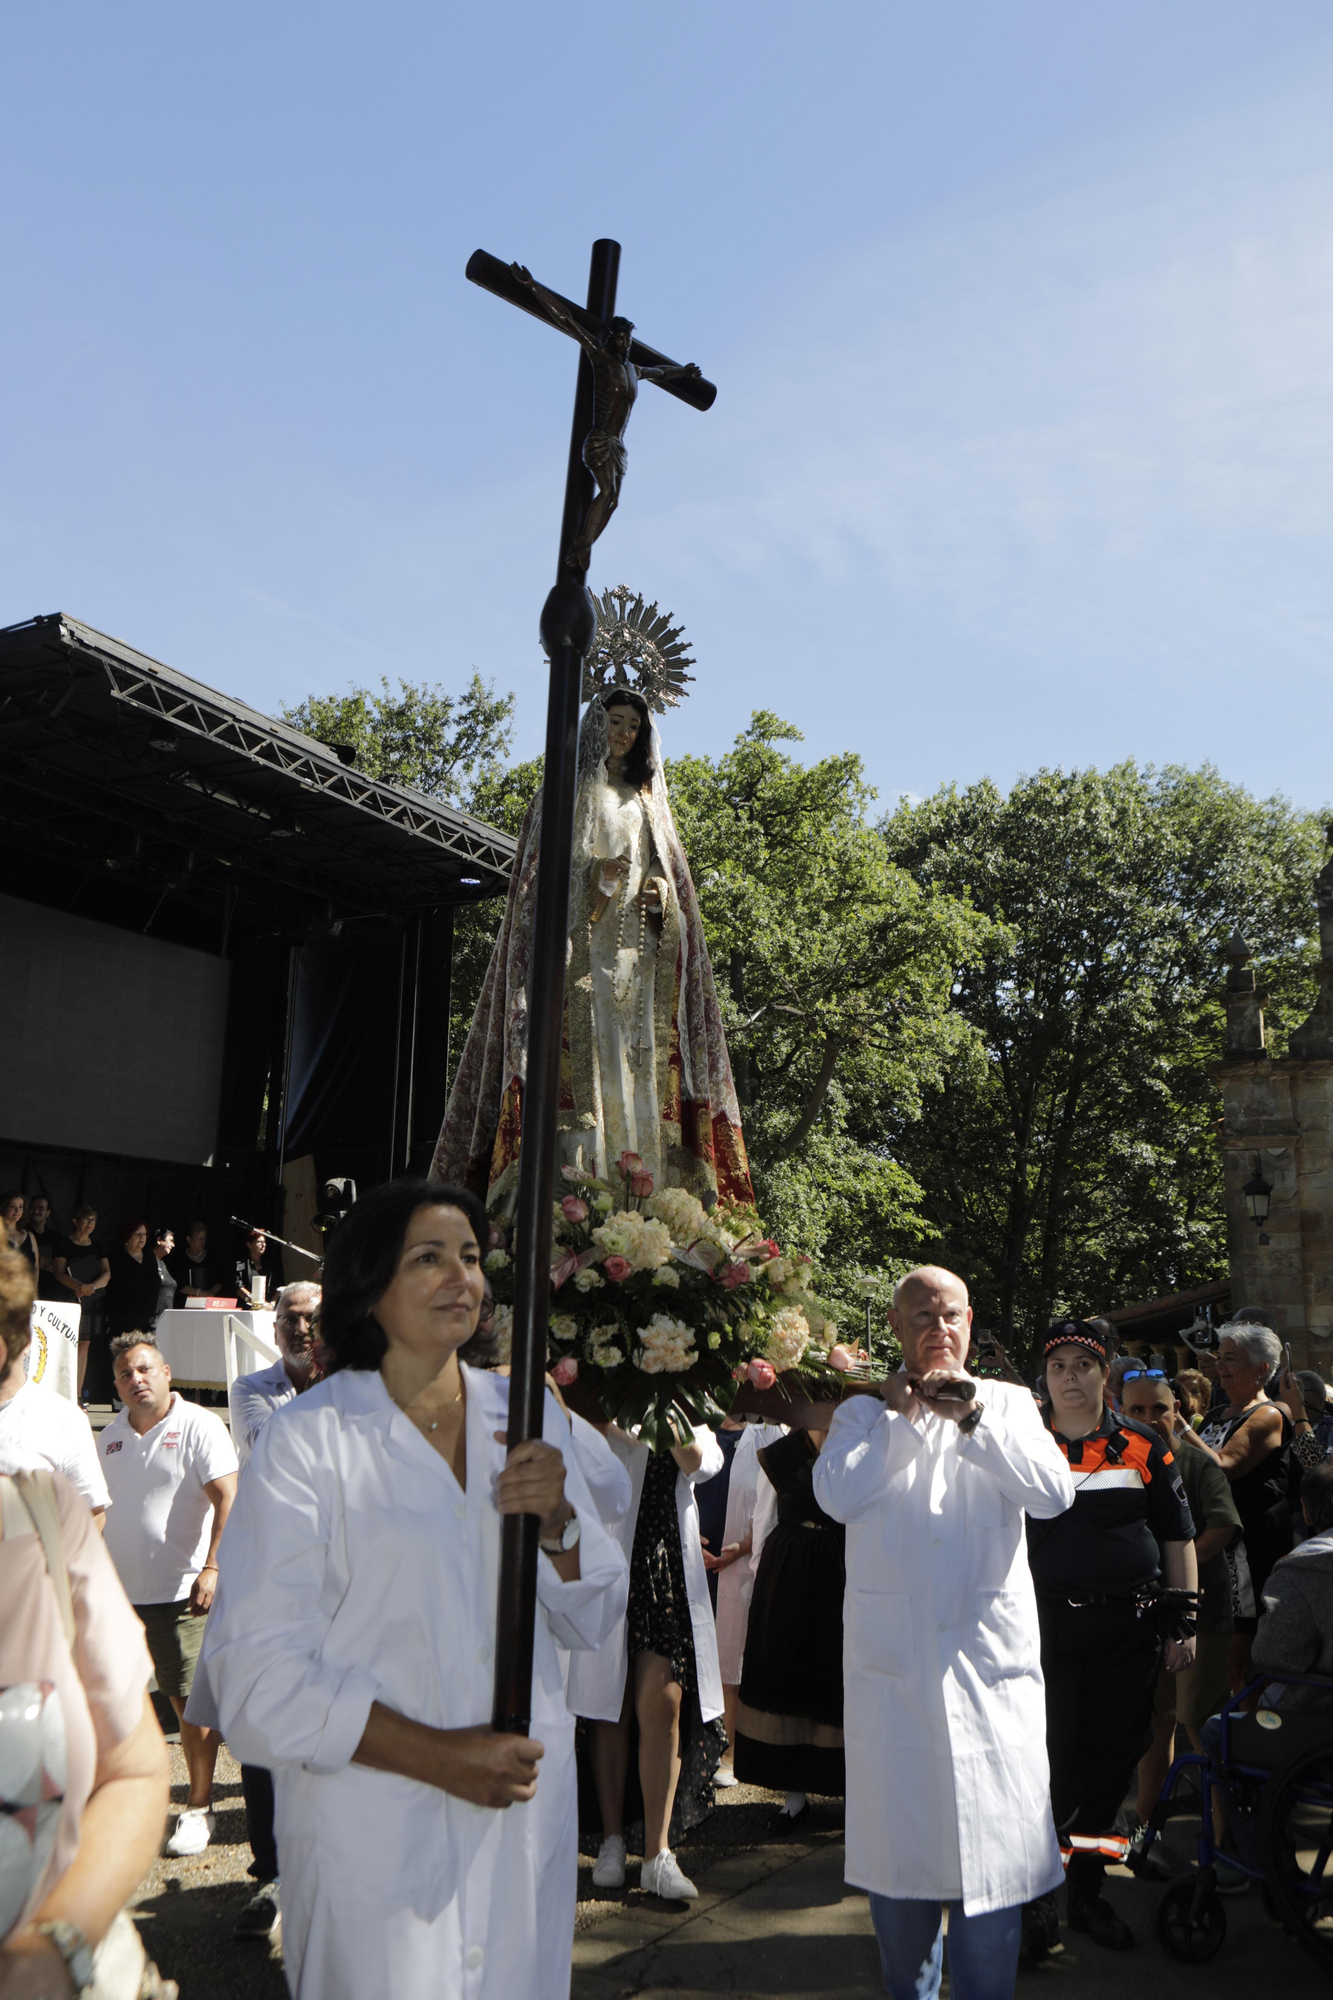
<point>637,646</point>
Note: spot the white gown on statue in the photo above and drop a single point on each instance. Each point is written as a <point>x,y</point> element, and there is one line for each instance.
<point>623,965</point>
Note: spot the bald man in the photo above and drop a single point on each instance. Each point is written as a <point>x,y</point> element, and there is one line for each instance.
<point>945,1717</point>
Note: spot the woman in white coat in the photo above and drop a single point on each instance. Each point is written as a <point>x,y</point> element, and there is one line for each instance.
<point>736,1564</point>
<point>351,1639</point>
<point>666,1668</point>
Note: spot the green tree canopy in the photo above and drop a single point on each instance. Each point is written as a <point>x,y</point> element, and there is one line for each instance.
<point>1068,1158</point>
<point>436,742</point>
<point>836,970</point>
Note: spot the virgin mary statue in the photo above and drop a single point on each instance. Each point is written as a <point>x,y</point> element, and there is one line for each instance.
<point>644,1066</point>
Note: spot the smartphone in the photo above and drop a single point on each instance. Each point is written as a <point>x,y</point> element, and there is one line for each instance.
<point>1286,1355</point>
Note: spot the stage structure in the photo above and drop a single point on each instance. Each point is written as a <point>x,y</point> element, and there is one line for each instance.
<point>217,938</point>
<point>611,365</point>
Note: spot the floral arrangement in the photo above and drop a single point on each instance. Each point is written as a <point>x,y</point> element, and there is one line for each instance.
<point>662,1308</point>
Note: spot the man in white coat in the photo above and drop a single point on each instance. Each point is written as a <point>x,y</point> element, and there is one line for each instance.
<point>945,1719</point>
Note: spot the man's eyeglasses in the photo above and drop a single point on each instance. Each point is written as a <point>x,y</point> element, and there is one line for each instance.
<point>1144,1375</point>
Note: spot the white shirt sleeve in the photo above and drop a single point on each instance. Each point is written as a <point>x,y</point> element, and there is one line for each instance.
<point>212,1452</point>
<point>582,1614</point>
<point>867,1443</point>
<point>80,1464</point>
<point>1013,1445</point>
<point>277,1699</point>
<point>608,1481</point>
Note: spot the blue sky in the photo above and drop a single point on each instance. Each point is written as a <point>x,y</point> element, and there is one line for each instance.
<point>1021,317</point>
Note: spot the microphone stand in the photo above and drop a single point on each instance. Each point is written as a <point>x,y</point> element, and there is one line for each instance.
<point>300,1249</point>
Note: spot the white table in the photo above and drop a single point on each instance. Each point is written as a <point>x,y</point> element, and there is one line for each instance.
<point>194,1344</point>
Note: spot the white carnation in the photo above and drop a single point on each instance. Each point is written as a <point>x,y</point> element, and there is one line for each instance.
<point>588,1279</point>
<point>788,1338</point>
<point>667,1346</point>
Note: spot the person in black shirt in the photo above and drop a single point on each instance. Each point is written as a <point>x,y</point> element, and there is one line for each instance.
<point>1094,1567</point>
<point>190,1265</point>
<point>258,1261</point>
<point>132,1295</point>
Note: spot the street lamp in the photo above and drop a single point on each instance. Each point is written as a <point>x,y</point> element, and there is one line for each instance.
<point>1257,1192</point>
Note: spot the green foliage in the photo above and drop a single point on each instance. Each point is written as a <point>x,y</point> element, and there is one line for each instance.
<point>500,795</point>
<point>1067,1157</point>
<point>435,742</point>
<point>835,969</point>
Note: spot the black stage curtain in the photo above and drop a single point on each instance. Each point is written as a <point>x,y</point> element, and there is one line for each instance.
<point>345,1053</point>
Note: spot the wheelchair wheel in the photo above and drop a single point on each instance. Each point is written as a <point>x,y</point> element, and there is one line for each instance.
<point>1296,1847</point>
<point>1186,1936</point>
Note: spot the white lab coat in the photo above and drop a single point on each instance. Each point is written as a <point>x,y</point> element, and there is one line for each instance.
<point>596,1685</point>
<point>735,1584</point>
<point>945,1710</point>
<point>354,1568</point>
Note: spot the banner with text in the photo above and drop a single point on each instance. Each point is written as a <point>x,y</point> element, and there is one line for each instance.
<point>53,1357</point>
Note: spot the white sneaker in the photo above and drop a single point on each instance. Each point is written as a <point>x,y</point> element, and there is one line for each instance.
<point>724,1778</point>
<point>608,1870</point>
<point>662,1876</point>
<point>194,1830</point>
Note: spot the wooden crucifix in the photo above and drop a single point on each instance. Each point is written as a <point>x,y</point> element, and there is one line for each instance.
<point>611,365</point>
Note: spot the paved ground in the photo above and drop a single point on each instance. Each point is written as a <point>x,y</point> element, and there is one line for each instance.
<point>774,1921</point>
<point>779,1921</point>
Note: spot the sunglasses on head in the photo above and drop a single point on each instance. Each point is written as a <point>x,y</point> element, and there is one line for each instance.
<point>1144,1375</point>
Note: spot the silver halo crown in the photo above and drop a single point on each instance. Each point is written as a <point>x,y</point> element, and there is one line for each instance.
<point>637,646</point>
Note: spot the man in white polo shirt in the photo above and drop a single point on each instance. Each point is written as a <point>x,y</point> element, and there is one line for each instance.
<point>255,1397</point>
<point>171,1472</point>
<point>39,1426</point>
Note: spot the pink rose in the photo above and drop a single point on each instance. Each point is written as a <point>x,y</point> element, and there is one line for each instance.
<point>641,1184</point>
<point>732,1275</point>
<point>566,1370</point>
<point>495,1239</point>
<point>630,1163</point>
<point>761,1375</point>
<point>573,1209</point>
<point>840,1358</point>
<point>617,1269</point>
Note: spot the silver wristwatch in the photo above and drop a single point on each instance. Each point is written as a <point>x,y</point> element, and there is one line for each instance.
<point>565,1540</point>
<point>72,1945</point>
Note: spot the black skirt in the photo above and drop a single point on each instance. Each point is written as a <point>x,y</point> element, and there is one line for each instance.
<point>789,1718</point>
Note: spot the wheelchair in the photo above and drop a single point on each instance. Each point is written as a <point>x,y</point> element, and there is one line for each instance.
<point>1275,1771</point>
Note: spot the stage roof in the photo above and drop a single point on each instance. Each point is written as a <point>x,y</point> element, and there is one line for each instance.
<point>115,766</point>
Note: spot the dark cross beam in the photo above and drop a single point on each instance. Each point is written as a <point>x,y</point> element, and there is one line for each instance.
<point>568,627</point>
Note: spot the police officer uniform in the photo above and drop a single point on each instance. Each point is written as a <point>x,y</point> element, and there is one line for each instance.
<point>1094,1568</point>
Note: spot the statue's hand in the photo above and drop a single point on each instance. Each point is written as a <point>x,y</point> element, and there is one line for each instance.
<point>692,371</point>
<point>524,276</point>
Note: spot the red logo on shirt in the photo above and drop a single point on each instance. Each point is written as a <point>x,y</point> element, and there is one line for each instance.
<point>113,1446</point>
<point>169,1444</point>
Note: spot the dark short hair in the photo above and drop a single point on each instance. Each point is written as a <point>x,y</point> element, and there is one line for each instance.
<point>639,764</point>
<point>18,1289</point>
<point>361,1259</point>
<point>123,1342</point>
<point>1317,1494</point>
<point>193,1228</point>
<point>619,324</point>
<point>130,1224</point>
<point>82,1212</point>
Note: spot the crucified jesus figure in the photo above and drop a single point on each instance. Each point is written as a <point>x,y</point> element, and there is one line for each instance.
<point>615,385</point>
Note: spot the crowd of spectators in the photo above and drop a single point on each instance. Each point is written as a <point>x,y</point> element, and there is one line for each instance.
<point>124,1281</point>
<point>691,1602</point>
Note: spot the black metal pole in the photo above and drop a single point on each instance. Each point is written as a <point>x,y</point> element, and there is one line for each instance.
<point>568,625</point>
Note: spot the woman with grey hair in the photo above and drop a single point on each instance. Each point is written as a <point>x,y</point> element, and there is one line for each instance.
<point>1250,1438</point>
